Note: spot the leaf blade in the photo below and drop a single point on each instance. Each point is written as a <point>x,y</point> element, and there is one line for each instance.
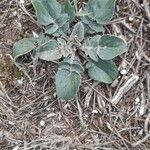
<point>70,10</point>
<point>50,51</point>
<point>78,31</point>
<point>42,14</point>
<point>103,71</point>
<point>23,47</point>
<point>111,46</point>
<point>67,84</point>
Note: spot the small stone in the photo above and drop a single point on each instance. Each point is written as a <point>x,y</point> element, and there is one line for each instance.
<point>141,132</point>
<point>20,81</point>
<point>94,112</point>
<point>131,18</point>
<point>123,71</point>
<point>14,13</point>
<point>42,123</point>
<point>22,1</point>
<point>137,100</point>
<point>11,123</point>
<point>31,113</point>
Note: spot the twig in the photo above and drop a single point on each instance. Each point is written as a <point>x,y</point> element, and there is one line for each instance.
<point>147,8</point>
<point>141,141</point>
<point>80,112</point>
<point>89,95</point>
<point>125,88</point>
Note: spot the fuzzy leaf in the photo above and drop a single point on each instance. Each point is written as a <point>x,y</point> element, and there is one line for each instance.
<point>59,22</point>
<point>92,24</point>
<point>91,46</point>
<point>50,51</point>
<point>23,47</point>
<point>72,65</point>
<point>110,46</point>
<point>67,84</point>
<point>50,29</point>
<point>53,8</point>
<point>103,71</point>
<point>100,10</point>
<point>62,20</point>
<point>70,10</point>
<point>42,14</point>
<point>78,31</point>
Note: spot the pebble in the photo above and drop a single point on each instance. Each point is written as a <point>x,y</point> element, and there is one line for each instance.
<point>123,71</point>
<point>42,123</point>
<point>94,112</point>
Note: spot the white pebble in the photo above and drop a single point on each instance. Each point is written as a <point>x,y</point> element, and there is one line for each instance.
<point>131,18</point>
<point>141,132</point>
<point>22,1</point>
<point>31,113</point>
<point>11,123</point>
<point>123,71</point>
<point>42,123</point>
<point>19,81</point>
<point>94,112</point>
<point>14,13</point>
<point>137,100</point>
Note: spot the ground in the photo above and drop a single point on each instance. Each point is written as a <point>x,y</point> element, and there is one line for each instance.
<point>103,117</point>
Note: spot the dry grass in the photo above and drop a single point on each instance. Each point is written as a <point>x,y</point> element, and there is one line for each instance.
<point>102,117</point>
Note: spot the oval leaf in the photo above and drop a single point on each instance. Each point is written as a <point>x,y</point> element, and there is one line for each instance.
<point>67,84</point>
<point>50,51</point>
<point>62,20</point>
<point>41,13</point>
<point>100,10</point>
<point>53,8</point>
<point>23,47</point>
<point>91,45</point>
<point>50,29</point>
<point>110,47</point>
<point>72,65</point>
<point>104,71</point>
<point>70,10</point>
<point>78,31</point>
<point>92,24</point>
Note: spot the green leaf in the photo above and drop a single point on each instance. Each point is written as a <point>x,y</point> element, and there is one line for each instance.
<point>103,71</point>
<point>70,10</point>
<point>91,45</point>
<point>67,84</point>
<point>92,24</point>
<point>78,31</point>
<point>111,46</point>
<point>62,20</point>
<point>50,51</point>
<point>53,8</point>
<point>100,10</point>
<point>72,65</point>
<point>65,27</point>
<point>23,47</point>
<point>50,29</point>
<point>42,14</point>
<point>58,23</point>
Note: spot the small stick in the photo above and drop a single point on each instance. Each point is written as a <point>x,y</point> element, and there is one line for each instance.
<point>147,9</point>
<point>141,141</point>
<point>125,88</point>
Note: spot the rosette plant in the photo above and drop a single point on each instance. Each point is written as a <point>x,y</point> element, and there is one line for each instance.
<point>77,40</point>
